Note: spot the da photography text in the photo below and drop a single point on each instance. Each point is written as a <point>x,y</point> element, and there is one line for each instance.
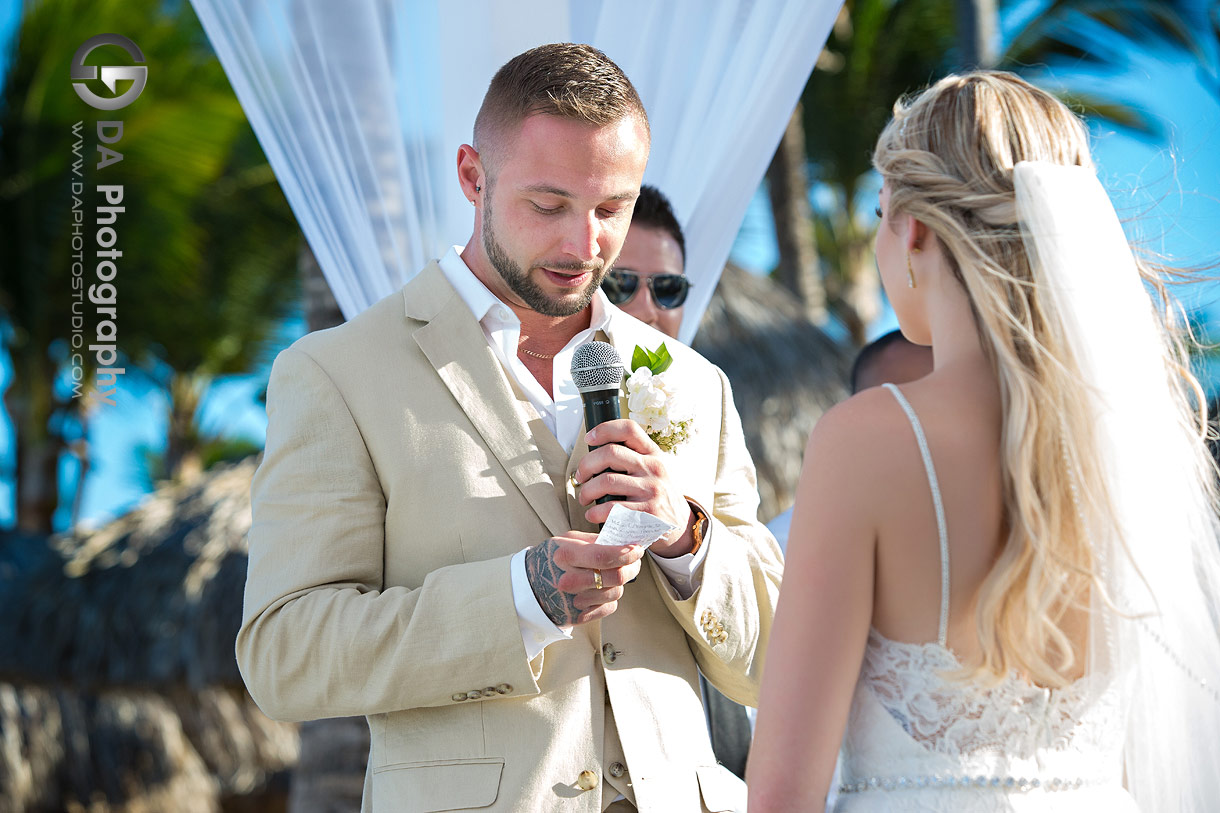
<point>96,253</point>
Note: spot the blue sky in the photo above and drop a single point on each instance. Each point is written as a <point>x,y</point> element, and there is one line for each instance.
<point>1169,191</point>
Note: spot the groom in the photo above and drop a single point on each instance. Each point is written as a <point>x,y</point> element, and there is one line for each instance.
<point>421,551</point>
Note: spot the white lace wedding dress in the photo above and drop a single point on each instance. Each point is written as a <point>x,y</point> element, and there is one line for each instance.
<point>917,741</point>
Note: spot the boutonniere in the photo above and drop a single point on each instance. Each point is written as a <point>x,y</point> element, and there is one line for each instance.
<point>653,403</point>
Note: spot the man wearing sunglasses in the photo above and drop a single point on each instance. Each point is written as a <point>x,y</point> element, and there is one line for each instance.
<point>647,280</point>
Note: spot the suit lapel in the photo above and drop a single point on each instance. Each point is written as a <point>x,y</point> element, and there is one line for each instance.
<point>456,348</point>
<point>552,453</point>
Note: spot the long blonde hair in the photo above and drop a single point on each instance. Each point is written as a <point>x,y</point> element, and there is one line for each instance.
<point>948,156</point>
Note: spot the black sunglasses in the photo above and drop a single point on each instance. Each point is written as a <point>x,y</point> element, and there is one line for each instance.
<point>668,290</point>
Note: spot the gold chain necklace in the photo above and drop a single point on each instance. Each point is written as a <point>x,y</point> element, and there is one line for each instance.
<point>543,356</point>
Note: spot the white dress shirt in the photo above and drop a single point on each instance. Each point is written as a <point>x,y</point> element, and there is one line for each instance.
<point>564,416</point>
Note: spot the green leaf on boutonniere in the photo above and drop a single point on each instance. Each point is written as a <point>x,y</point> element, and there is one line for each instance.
<point>639,358</point>
<point>656,360</point>
<point>663,360</point>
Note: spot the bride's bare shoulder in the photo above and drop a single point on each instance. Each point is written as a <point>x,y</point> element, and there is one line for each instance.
<point>863,420</point>
<point>848,466</point>
<point>854,440</point>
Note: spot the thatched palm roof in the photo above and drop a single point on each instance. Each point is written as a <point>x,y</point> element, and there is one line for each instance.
<point>138,750</point>
<point>785,373</point>
<point>120,689</point>
<point>152,599</point>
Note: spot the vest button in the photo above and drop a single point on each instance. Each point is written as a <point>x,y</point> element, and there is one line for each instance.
<point>587,780</point>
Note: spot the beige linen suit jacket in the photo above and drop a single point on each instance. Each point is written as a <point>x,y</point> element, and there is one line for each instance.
<point>400,476</point>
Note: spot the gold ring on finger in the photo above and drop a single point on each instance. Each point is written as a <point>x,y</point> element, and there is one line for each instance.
<point>597,580</point>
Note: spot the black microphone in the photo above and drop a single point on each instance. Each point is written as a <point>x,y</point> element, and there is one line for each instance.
<point>597,371</point>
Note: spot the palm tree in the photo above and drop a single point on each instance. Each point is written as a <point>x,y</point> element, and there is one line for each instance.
<point>978,21</point>
<point>876,51</point>
<point>185,141</point>
<point>788,187</point>
<point>227,315</point>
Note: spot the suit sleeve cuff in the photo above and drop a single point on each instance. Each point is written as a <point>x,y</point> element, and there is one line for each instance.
<point>685,573</point>
<point>537,631</point>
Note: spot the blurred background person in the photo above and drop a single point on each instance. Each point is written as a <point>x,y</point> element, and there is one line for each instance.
<point>648,281</point>
<point>892,359</point>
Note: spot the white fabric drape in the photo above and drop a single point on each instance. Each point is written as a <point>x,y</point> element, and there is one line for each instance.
<point>360,107</point>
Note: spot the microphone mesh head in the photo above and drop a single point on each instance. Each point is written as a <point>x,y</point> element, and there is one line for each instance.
<point>596,366</point>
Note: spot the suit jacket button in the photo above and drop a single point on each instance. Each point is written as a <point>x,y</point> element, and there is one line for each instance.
<point>503,688</point>
<point>587,780</point>
<point>617,769</point>
<point>473,694</point>
<point>458,697</point>
<point>609,655</point>
<point>490,691</point>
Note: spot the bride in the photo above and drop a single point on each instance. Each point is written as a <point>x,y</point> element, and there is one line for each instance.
<point>1003,579</point>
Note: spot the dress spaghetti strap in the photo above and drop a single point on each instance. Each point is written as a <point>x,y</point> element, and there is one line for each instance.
<point>942,530</point>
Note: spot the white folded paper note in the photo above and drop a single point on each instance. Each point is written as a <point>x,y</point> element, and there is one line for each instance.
<point>627,527</point>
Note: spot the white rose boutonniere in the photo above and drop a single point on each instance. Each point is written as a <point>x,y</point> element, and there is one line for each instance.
<point>653,403</point>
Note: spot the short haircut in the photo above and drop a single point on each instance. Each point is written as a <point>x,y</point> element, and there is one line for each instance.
<point>570,81</point>
<point>869,354</point>
<point>652,209</point>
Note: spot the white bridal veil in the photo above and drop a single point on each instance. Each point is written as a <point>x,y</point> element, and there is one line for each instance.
<point>1166,582</point>
<point>361,105</point>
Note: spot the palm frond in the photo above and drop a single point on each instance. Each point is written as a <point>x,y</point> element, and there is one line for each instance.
<point>1091,105</point>
<point>1096,33</point>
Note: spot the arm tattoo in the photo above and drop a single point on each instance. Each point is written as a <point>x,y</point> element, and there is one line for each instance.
<point>543,575</point>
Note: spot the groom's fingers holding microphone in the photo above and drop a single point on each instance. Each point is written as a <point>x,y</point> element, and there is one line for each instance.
<point>576,580</point>
<point>629,465</point>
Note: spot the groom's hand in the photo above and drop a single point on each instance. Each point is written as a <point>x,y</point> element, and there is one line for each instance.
<point>632,467</point>
<point>564,575</point>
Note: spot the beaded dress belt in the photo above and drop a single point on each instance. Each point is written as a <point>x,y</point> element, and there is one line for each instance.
<point>1018,784</point>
